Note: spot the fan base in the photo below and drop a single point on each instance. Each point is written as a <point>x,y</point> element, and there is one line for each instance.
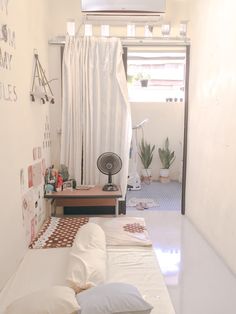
<point>110,187</point>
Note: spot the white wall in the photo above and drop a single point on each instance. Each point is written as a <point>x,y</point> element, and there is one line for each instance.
<point>211,171</point>
<point>164,120</point>
<point>60,11</point>
<point>22,122</point>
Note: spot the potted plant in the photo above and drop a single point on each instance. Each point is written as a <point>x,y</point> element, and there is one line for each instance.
<point>146,156</point>
<point>167,158</point>
<point>143,78</point>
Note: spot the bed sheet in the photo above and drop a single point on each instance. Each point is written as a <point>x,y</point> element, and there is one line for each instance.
<point>139,266</point>
<point>124,230</point>
<point>136,265</point>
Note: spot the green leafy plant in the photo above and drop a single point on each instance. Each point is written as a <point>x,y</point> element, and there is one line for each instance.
<point>130,78</point>
<point>166,156</point>
<point>64,172</point>
<point>146,153</point>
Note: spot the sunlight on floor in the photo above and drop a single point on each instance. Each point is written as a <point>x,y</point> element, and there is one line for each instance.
<point>169,261</point>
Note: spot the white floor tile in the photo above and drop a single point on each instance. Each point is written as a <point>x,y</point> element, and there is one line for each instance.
<point>197,279</point>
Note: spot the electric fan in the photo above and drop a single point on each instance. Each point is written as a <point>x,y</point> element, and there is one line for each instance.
<point>109,164</point>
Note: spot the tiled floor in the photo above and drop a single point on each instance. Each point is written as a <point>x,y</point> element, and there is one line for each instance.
<point>167,196</point>
<point>197,279</point>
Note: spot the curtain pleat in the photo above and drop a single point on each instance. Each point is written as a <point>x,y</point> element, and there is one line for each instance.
<point>96,111</point>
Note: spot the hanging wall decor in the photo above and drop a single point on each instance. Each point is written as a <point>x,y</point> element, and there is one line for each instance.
<point>40,87</point>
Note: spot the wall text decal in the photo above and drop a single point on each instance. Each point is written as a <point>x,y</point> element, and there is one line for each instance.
<point>4,6</point>
<point>8,90</point>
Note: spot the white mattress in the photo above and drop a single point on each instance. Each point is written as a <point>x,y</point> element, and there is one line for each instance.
<point>138,266</point>
<point>46,267</point>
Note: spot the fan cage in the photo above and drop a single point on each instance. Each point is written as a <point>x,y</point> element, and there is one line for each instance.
<point>109,163</point>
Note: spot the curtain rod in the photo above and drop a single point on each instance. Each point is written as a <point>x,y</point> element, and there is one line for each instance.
<point>137,41</point>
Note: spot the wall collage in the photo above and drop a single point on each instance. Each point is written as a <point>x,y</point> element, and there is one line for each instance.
<point>32,189</point>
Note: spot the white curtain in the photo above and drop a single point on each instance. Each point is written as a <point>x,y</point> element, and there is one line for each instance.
<point>96,112</point>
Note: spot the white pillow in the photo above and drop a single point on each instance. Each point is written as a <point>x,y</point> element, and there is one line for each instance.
<point>54,300</point>
<point>87,260</point>
<point>113,298</point>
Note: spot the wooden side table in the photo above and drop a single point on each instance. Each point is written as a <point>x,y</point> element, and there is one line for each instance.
<point>92,197</point>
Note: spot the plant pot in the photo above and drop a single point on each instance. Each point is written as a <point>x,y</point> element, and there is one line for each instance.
<point>164,175</point>
<point>144,83</point>
<point>164,172</point>
<point>146,176</point>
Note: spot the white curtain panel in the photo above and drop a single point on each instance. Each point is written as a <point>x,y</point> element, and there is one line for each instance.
<point>71,140</point>
<point>96,111</point>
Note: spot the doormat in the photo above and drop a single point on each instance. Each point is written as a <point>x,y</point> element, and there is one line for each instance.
<point>142,203</point>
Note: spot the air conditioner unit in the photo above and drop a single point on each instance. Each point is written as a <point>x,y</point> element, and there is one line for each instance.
<point>123,6</point>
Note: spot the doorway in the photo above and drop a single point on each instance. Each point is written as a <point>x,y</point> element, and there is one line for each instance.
<point>158,91</point>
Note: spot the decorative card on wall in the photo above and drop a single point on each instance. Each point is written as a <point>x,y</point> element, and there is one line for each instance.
<point>43,167</point>
<point>37,153</point>
<point>37,174</point>
<point>47,135</point>
<point>30,176</point>
<point>27,214</point>
<point>22,181</point>
<point>33,212</point>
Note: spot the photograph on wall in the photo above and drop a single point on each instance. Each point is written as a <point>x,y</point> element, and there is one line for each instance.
<point>30,176</point>
<point>22,180</point>
<point>39,153</point>
<point>37,177</point>
<point>43,167</point>
<point>35,153</point>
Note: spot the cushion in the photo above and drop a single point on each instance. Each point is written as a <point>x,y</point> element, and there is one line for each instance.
<point>54,300</point>
<point>90,236</point>
<point>87,259</point>
<point>112,298</point>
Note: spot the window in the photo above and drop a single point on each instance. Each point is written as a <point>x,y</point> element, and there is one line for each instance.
<point>156,76</point>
